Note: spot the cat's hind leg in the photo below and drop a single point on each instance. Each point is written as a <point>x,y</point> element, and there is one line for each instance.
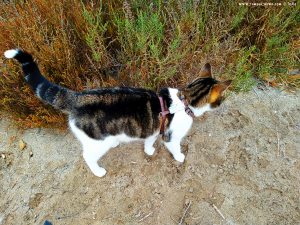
<point>91,158</point>
<point>92,152</point>
<point>149,141</point>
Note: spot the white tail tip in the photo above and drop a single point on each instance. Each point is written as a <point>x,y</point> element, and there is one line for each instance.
<point>10,53</point>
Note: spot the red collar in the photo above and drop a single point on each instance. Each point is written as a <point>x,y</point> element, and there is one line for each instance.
<point>163,113</point>
<point>187,108</point>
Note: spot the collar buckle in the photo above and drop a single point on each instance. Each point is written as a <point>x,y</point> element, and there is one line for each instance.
<point>187,108</point>
<point>164,112</point>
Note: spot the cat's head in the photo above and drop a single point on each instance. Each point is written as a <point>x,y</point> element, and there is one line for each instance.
<point>205,93</point>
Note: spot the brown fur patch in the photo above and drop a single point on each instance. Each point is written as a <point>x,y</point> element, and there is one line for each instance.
<point>206,71</point>
<point>214,94</point>
<point>217,90</point>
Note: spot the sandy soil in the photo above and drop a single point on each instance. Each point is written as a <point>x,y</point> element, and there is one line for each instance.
<point>242,167</point>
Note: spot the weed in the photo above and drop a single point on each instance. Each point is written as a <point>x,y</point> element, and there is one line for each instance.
<point>82,44</point>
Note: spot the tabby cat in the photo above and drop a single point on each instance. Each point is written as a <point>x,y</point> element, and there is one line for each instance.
<point>102,118</point>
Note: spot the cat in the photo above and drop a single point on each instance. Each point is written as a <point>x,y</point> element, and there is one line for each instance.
<point>103,118</point>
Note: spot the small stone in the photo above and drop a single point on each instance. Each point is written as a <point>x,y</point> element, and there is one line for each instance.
<point>191,190</point>
<point>3,156</point>
<point>22,144</point>
<point>30,154</point>
<point>220,170</point>
<point>199,175</point>
<point>187,202</point>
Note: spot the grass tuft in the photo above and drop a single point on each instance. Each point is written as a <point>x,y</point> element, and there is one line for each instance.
<point>89,44</point>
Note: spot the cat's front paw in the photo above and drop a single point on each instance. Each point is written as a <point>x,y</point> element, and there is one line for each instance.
<point>100,172</point>
<point>179,157</point>
<point>150,150</point>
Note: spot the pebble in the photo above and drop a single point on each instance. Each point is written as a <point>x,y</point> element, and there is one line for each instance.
<point>3,156</point>
<point>220,179</point>
<point>22,144</point>
<point>220,170</point>
<point>187,202</point>
<point>191,168</point>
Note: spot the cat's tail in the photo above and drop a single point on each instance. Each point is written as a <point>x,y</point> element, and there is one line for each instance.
<point>57,96</point>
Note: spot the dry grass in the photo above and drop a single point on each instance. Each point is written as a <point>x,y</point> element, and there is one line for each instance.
<point>87,45</point>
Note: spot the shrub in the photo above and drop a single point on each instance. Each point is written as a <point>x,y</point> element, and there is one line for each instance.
<point>81,44</point>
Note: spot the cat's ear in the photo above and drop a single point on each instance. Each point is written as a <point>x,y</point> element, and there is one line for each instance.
<point>206,71</point>
<point>218,89</point>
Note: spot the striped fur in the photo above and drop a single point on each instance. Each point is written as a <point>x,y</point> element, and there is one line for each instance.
<point>205,89</point>
<point>104,117</point>
<point>57,96</point>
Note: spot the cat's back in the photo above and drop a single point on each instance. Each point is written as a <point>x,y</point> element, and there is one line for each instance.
<point>113,111</point>
<point>115,93</point>
<point>126,99</point>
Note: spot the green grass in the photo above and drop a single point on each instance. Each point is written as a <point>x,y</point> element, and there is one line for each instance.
<point>81,44</point>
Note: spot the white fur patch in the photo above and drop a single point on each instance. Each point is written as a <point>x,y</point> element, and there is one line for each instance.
<point>149,141</point>
<point>177,105</point>
<point>10,53</point>
<point>179,126</point>
<point>200,111</point>
<point>181,122</point>
<point>94,149</point>
<point>87,141</point>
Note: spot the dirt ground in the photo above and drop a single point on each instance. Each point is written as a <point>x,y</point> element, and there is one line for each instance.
<point>242,167</point>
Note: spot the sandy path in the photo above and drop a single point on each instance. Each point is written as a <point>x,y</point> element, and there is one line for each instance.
<point>242,167</point>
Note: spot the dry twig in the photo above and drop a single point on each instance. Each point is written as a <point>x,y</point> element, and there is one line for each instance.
<point>145,217</point>
<point>278,143</point>
<point>256,93</point>
<point>184,213</point>
<point>218,211</point>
